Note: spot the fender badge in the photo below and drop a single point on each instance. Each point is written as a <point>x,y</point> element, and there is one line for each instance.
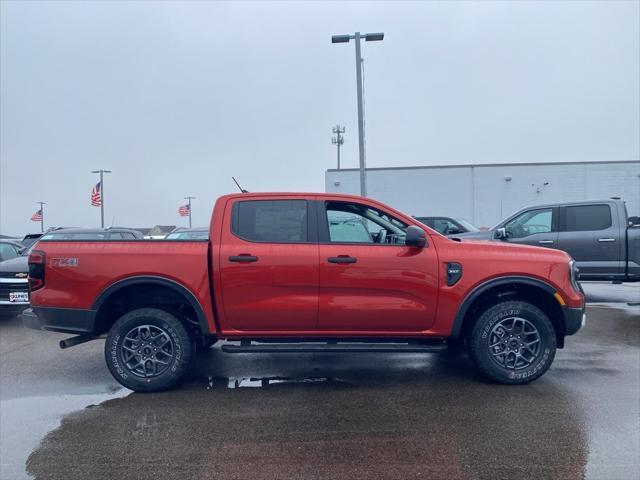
<point>64,262</point>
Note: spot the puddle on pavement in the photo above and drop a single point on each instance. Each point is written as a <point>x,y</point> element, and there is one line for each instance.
<point>25,421</point>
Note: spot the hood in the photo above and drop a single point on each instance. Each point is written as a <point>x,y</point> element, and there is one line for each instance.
<point>15,265</point>
<point>505,251</point>
<point>481,235</point>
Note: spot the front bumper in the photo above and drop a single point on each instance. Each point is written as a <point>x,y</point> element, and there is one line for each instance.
<point>65,320</point>
<point>574,319</point>
<point>9,286</point>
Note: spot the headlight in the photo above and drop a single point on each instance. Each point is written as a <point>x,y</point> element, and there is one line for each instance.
<point>574,274</point>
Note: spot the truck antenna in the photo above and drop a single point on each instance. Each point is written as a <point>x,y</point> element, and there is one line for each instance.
<point>241,189</point>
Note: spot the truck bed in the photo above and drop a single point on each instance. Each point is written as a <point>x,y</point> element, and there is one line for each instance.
<point>78,272</point>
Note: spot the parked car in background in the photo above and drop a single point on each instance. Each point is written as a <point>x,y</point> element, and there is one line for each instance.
<point>14,269</point>
<point>448,225</point>
<point>306,273</point>
<point>189,234</point>
<point>114,233</point>
<point>599,235</point>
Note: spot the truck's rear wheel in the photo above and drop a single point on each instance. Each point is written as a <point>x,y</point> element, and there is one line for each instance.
<point>513,342</point>
<point>148,350</point>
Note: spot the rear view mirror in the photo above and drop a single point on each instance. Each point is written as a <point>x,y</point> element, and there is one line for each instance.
<point>501,233</point>
<point>415,237</point>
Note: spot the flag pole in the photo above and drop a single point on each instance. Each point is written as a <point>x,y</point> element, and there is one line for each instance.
<point>189,199</point>
<point>101,199</point>
<point>101,172</point>
<point>41,216</point>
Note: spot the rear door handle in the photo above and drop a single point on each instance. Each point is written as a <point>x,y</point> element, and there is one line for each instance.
<point>243,258</point>
<point>342,259</point>
<point>545,242</point>
<point>606,240</point>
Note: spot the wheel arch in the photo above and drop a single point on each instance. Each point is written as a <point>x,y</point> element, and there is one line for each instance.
<point>148,281</point>
<point>536,291</point>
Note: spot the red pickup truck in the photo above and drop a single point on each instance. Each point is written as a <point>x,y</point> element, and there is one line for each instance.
<point>294,272</point>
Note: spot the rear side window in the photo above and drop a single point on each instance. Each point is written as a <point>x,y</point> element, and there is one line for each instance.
<point>587,217</point>
<point>277,221</point>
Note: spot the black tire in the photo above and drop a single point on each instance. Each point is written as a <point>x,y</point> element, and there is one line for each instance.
<point>496,336</point>
<point>166,345</point>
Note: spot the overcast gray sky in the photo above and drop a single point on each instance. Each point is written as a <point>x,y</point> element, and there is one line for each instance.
<point>176,97</point>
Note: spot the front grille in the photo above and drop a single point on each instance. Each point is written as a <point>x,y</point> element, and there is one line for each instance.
<point>16,275</point>
<point>5,288</point>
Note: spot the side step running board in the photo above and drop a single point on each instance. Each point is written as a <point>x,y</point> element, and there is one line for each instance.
<point>246,347</point>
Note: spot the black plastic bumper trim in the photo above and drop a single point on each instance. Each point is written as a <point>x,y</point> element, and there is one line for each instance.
<point>65,320</point>
<point>573,319</point>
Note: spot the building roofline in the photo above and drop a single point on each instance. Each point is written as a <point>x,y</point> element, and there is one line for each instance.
<point>467,165</point>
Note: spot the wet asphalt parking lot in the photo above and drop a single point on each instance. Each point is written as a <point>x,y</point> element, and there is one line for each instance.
<point>326,416</point>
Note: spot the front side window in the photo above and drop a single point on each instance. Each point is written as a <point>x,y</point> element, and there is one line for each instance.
<point>530,222</point>
<point>355,223</point>
<point>277,221</point>
<point>587,217</point>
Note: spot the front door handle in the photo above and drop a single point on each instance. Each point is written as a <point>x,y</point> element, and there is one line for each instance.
<point>243,258</point>
<point>606,240</point>
<point>545,242</point>
<point>342,259</point>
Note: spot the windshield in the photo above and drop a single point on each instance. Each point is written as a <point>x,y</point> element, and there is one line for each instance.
<point>73,236</point>
<point>189,235</point>
<point>470,227</point>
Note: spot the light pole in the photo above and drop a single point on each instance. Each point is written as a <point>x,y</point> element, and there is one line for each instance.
<point>41,215</point>
<point>189,199</point>
<point>101,172</point>
<point>338,139</point>
<point>369,37</point>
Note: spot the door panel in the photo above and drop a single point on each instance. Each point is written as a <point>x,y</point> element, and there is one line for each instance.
<point>369,280</point>
<point>277,289</point>
<point>392,288</point>
<point>592,238</point>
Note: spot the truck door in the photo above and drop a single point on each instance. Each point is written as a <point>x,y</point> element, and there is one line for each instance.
<point>369,280</point>
<point>589,234</point>
<point>537,227</point>
<point>269,265</point>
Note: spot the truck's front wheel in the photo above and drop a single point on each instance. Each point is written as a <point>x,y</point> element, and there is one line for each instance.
<point>513,342</point>
<point>148,350</point>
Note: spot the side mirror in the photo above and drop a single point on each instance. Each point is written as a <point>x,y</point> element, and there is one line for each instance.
<point>501,233</point>
<point>415,237</point>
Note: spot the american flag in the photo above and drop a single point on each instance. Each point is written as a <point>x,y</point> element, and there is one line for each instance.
<point>37,217</point>
<point>183,211</point>
<point>96,196</point>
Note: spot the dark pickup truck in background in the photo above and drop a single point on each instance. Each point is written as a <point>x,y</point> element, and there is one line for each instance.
<point>600,236</point>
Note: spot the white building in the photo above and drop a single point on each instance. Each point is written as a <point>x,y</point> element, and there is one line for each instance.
<point>487,193</point>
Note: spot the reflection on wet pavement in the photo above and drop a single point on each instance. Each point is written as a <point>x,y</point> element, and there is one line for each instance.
<point>25,421</point>
<point>324,416</point>
<point>233,382</point>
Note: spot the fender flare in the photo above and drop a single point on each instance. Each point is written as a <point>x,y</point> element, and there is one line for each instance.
<point>160,281</point>
<point>483,287</point>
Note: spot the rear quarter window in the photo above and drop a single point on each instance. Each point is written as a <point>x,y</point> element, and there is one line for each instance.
<point>276,221</point>
<point>582,218</point>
